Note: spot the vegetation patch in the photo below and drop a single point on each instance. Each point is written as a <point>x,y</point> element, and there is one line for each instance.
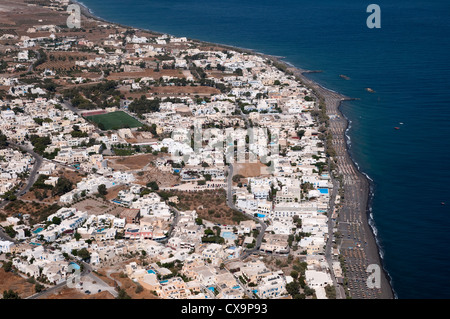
<point>114,121</point>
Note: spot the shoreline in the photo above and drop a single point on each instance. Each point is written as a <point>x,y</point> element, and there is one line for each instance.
<point>333,101</point>
<point>369,215</point>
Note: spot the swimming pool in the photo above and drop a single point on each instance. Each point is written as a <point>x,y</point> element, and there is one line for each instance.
<point>38,230</point>
<point>150,272</point>
<point>228,235</point>
<point>74,265</point>
<point>323,190</point>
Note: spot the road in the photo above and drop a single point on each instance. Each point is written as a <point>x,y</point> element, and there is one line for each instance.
<point>33,174</point>
<point>38,160</point>
<point>340,293</point>
<point>31,67</point>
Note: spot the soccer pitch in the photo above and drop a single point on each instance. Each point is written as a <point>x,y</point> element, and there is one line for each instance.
<point>114,121</point>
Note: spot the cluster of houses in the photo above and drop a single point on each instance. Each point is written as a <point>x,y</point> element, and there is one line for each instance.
<point>13,164</point>
<point>259,109</point>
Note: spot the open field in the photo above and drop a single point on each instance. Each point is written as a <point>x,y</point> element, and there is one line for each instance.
<point>112,276</point>
<point>146,73</point>
<point>98,207</point>
<point>210,205</point>
<point>164,179</point>
<point>64,60</point>
<point>114,121</point>
<point>133,162</point>
<point>183,90</point>
<point>72,293</point>
<point>250,169</point>
<point>9,280</point>
<point>38,211</point>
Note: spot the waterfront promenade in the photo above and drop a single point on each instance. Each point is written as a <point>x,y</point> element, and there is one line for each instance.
<point>357,243</point>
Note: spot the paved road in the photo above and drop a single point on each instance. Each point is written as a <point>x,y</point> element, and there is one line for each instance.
<point>31,67</point>
<point>33,173</point>
<point>340,293</point>
<point>38,159</point>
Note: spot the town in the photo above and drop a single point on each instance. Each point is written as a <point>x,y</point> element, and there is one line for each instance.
<point>159,167</point>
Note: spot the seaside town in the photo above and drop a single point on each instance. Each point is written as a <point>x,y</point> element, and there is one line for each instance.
<point>142,165</point>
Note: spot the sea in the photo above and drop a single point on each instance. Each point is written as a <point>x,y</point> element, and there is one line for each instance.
<point>406,62</point>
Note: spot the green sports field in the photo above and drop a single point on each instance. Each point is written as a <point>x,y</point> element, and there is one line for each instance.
<point>114,121</point>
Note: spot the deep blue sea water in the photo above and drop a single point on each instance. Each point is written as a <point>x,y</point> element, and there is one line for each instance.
<point>406,62</point>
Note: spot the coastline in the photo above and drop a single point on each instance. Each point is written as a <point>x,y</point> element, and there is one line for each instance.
<point>333,101</point>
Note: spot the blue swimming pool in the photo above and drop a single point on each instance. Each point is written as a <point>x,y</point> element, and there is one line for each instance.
<point>150,272</point>
<point>323,190</point>
<point>74,265</point>
<point>228,235</point>
<point>38,230</point>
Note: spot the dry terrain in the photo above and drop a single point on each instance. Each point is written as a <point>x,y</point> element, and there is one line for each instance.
<point>183,90</point>
<point>98,207</point>
<point>64,60</point>
<point>38,211</point>
<point>9,280</point>
<point>250,169</point>
<point>210,205</point>
<point>146,73</point>
<point>72,293</point>
<point>127,163</point>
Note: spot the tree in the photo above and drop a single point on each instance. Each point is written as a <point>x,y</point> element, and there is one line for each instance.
<point>153,185</point>
<point>10,294</point>
<point>300,133</point>
<point>77,236</point>
<point>84,254</point>
<point>38,287</point>
<point>139,289</point>
<point>7,266</point>
<point>56,220</point>
<point>3,141</point>
<point>63,185</point>
<point>330,291</point>
<point>309,291</point>
<point>123,294</point>
<point>293,288</point>
<point>102,189</point>
<point>294,274</point>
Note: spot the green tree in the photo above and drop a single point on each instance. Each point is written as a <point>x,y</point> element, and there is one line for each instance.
<point>102,189</point>
<point>123,294</point>
<point>7,266</point>
<point>153,185</point>
<point>10,294</point>
<point>38,287</point>
<point>84,254</point>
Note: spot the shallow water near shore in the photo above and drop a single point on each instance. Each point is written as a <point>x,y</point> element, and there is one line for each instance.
<point>406,64</point>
